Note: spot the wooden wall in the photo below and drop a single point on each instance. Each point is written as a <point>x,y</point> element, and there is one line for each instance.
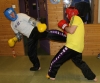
<point>92,41</point>
<point>55,14</point>
<point>6,31</point>
<point>92,31</point>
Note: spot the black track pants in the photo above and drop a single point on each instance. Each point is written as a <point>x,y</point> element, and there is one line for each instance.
<point>32,47</point>
<point>83,66</point>
<point>54,35</point>
<point>65,54</point>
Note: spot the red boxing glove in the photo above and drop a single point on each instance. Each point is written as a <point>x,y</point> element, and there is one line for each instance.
<point>62,24</point>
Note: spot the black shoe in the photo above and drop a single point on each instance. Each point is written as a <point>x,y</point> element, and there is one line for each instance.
<point>35,68</point>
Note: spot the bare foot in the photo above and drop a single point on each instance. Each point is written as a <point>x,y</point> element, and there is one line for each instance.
<point>50,77</point>
<point>39,68</point>
<point>95,79</point>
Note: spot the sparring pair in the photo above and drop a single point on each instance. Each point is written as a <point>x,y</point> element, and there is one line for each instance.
<point>73,47</point>
<point>34,30</point>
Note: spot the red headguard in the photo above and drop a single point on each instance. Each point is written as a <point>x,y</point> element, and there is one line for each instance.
<point>71,11</point>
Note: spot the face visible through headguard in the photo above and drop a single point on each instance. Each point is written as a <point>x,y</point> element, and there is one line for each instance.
<point>10,14</point>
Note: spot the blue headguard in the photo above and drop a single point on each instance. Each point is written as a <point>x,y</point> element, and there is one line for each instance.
<point>7,13</point>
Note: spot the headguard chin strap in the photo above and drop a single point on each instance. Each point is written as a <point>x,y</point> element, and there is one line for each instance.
<point>7,13</point>
<point>71,11</point>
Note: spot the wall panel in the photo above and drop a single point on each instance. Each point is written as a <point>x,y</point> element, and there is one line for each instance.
<point>6,31</point>
<point>92,41</point>
<point>92,31</point>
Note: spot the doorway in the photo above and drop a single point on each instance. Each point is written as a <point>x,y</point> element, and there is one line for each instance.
<point>36,9</point>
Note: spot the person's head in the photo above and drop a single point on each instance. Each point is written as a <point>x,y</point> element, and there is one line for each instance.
<point>10,14</point>
<point>71,11</point>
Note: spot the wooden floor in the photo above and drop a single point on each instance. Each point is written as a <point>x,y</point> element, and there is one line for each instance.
<point>16,70</point>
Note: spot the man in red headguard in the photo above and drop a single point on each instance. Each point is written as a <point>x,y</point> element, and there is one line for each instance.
<point>73,48</point>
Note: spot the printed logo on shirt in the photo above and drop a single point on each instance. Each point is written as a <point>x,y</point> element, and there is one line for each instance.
<point>18,23</point>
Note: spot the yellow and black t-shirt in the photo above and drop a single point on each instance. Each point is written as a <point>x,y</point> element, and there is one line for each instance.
<point>75,41</point>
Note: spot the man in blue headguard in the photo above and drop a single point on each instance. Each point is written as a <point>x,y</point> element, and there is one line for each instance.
<point>34,30</point>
